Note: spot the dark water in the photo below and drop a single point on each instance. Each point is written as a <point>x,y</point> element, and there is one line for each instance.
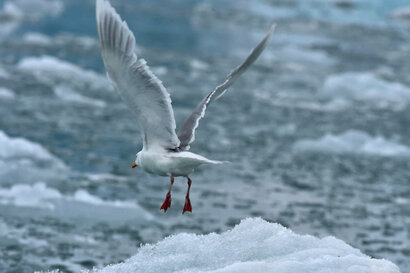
<point>74,202</point>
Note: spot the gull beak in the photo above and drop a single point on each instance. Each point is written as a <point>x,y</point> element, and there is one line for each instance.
<point>134,165</point>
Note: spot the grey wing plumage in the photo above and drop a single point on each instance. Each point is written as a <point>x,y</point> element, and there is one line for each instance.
<point>187,132</point>
<point>136,84</point>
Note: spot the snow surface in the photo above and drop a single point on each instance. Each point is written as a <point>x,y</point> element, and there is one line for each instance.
<point>252,246</point>
<point>364,86</point>
<point>353,141</point>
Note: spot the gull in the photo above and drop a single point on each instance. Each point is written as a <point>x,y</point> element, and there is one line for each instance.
<point>164,152</point>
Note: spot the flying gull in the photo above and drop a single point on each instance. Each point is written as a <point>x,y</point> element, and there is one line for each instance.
<point>164,151</point>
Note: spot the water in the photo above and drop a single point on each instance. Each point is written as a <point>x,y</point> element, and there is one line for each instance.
<point>68,196</point>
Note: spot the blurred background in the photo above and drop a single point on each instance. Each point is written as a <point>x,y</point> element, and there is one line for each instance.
<point>317,130</point>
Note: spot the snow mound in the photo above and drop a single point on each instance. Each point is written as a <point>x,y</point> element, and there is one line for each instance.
<point>252,246</point>
<point>364,86</point>
<point>52,70</point>
<point>352,141</point>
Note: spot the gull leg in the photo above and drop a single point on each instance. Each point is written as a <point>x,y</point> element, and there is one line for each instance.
<point>167,201</point>
<point>187,206</point>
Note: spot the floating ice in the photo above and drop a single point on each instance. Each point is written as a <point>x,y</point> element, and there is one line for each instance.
<point>15,12</point>
<point>37,195</point>
<point>12,148</point>
<point>32,9</point>
<point>252,246</point>
<point>3,72</point>
<point>53,70</point>
<point>353,141</point>
<point>41,196</point>
<point>302,56</point>
<point>364,86</point>
<point>60,40</point>
<point>35,38</point>
<point>6,93</point>
<point>402,13</point>
<point>68,94</point>
<point>17,154</point>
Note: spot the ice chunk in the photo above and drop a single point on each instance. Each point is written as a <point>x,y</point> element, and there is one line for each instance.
<point>53,70</point>
<point>402,13</point>
<point>79,204</point>
<point>252,246</point>
<point>364,86</point>
<point>66,93</point>
<point>60,40</point>
<point>35,38</point>
<point>22,148</point>
<point>17,154</point>
<point>6,93</point>
<point>353,141</point>
<point>37,195</point>
<point>32,9</point>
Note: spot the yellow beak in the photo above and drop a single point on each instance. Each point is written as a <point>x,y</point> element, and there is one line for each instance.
<point>134,165</point>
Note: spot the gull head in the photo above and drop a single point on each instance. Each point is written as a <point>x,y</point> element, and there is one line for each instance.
<point>137,161</point>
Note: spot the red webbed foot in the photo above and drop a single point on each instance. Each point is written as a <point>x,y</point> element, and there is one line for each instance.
<point>167,201</point>
<point>187,206</point>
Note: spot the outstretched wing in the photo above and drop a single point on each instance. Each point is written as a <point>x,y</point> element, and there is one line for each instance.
<point>131,77</point>
<point>187,132</point>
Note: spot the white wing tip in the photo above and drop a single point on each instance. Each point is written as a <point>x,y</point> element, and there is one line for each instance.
<point>102,4</point>
<point>271,30</point>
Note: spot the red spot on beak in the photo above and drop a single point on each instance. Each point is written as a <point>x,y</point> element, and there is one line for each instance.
<point>134,165</point>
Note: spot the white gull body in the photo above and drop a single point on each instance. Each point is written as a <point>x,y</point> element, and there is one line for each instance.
<point>164,152</point>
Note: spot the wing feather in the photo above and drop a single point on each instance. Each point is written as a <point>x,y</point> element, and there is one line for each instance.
<point>141,90</point>
<point>186,134</point>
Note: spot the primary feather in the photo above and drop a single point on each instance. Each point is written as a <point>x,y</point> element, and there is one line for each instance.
<point>187,132</point>
<point>137,85</point>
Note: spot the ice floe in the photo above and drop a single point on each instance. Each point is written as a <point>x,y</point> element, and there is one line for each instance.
<point>41,196</point>
<point>60,40</point>
<point>6,93</point>
<point>32,9</point>
<point>49,69</point>
<point>17,154</point>
<point>16,12</point>
<point>252,246</point>
<point>68,94</point>
<point>364,86</point>
<point>13,148</point>
<point>354,142</point>
<point>402,13</point>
